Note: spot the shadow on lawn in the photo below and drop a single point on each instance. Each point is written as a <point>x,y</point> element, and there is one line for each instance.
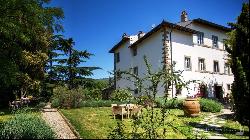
<point>222,130</point>
<point>5,111</point>
<point>227,116</point>
<point>119,117</point>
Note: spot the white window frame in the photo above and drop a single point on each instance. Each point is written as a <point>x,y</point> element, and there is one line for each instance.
<point>229,87</point>
<point>203,67</point>
<point>117,57</point>
<point>224,44</point>
<point>134,51</point>
<point>216,67</point>
<point>135,70</point>
<point>186,58</point>
<point>227,69</point>
<point>215,41</point>
<point>200,38</point>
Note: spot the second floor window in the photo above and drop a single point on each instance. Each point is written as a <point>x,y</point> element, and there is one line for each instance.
<point>200,38</point>
<point>118,74</point>
<point>216,66</point>
<point>201,65</point>
<point>228,87</point>
<point>215,41</point>
<point>187,64</point>
<point>117,57</point>
<point>224,44</point>
<point>227,69</point>
<point>135,70</point>
<point>134,51</point>
<point>136,91</point>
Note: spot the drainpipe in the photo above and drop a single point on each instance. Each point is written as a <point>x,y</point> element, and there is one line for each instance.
<point>115,71</point>
<point>171,54</point>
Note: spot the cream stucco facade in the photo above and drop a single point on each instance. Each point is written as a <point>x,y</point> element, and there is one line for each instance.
<point>182,44</point>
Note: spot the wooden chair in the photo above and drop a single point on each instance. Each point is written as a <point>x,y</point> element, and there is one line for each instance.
<point>136,110</point>
<point>121,110</point>
<point>11,106</point>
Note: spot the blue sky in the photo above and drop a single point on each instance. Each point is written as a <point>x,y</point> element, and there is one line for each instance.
<point>97,25</point>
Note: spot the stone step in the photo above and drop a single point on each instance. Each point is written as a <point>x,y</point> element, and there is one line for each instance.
<point>49,110</point>
<point>216,137</point>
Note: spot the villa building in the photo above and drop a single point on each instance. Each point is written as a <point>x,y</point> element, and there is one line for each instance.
<point>194,46</point>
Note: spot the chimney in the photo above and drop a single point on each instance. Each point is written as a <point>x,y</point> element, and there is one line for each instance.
<point>140,34</point>
<point>124,35</point>
<point>184,16</point>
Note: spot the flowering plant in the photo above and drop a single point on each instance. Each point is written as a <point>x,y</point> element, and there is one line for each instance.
<point>190,96</point>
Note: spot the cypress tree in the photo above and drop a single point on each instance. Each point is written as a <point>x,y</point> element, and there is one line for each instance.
<point>239,63</point>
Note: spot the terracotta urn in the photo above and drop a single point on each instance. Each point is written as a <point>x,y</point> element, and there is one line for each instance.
<point>191,107</point>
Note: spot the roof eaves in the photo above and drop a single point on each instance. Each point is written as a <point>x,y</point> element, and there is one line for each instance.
<point>124,39</point>
<point>202,21</point>
<point>162,24</point>
<point>146,35</point>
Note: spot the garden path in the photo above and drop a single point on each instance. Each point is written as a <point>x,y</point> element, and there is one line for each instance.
<point>212,123</point>
<point>57,123</point>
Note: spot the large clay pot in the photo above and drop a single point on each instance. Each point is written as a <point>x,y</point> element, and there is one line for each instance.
<point>191,107</point>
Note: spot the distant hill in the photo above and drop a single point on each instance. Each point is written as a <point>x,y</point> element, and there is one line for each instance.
<point>103,79</point>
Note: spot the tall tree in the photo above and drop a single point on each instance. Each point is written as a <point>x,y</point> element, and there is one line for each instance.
<point>239,62</point>
<point>26,30</point>
<point>52,77</point>
<point>73,74</point>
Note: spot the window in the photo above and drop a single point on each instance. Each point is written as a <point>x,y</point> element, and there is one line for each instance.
<point>178,90</point>
<point>174,63</point>
<point>227,69</point>
<point>225,45</point>
<point>135,70</point>
<point>216,66</point>
<point>117,57</point>
<point>136,91</point>
<point>215,41</point>
<point>187,63</point>
<point>118,75</point>
<point>201,64</point>
<point>200,38</point>
<point>228,87</point>
<point>134,51</point>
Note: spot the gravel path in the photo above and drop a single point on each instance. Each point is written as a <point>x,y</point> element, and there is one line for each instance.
<point>57,123</point>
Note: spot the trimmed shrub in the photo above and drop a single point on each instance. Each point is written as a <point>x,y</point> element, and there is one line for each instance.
<point>209,105</point>
<point>64,97</point>
<point>102,103</point>
<point>121,95</point>
<point>93,94</point>
<point>55,102</point>
<point>172,103</point>
<point>26,126</point>
<point>1,113</point>
<point>41,105</point>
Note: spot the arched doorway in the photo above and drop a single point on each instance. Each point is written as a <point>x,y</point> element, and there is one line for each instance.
<point>218,92</point>
<point>203,90</point>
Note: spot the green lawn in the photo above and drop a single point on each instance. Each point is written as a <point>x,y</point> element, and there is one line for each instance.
<point>25,123</point>
<point>97,123</point>
<point>231,127</point>
<point>6,114</point>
